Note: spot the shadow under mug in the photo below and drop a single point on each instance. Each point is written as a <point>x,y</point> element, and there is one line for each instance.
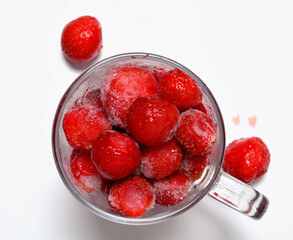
<point>214,182</point>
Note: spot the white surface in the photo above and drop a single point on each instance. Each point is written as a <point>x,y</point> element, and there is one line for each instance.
<point>241,49</point>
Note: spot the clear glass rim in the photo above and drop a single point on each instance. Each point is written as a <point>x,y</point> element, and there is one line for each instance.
<point>61,170</point>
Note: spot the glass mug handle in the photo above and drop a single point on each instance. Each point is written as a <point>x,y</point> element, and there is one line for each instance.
<point>239,196</point>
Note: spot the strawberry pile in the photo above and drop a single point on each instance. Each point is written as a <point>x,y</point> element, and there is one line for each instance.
<point>139,138</point>
<point>146,135</point>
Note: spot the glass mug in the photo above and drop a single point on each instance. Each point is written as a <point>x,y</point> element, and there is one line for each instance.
<point>213,182</point>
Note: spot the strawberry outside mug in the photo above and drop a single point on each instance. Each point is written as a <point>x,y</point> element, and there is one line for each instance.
<point>214,182</point>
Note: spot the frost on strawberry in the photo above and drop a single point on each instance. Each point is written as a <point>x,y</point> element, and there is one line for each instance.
<point>91,98</point>
<point>196,132</point>
<point>84,171</point>
<point>172,189</point>
<point>83,125</point>
<point>193,165</point>
<point>132,197</point>
<point>121,88</point>
<point>116,155</point>
<point>161,161</point>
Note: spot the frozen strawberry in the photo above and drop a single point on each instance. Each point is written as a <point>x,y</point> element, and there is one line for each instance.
<point>172,189</point>
<point>84,171</point>
<point>132,197</point>
<point>193,165</point>
<point>122,88</point>
<point>91,98</point>
<point>116,155</point>
<point>161,161</point>
<point>137,172</point>
<point>83,125</point>
<point>247,159</point>
<point>180,89</point>
<point>152,120</point>
<point>196,132</point>
<point>81,39</point>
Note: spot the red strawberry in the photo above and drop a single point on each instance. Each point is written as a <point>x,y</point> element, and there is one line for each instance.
<point>196,132</point>
<point>152,120</point>
<point>172,189</point>
<point>121,88</point>
<point>83,125</point>
<point>132,197</point>
<point>161,161</point>
<point>81,39</point>
<point>180,89</point>
<point>247,159</point>
<point>193,165</point>
<point>84,171</point>
<point>116,155</point>
<point>91,98</point>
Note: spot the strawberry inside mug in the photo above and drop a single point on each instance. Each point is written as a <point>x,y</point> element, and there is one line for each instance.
<point>127,92</point>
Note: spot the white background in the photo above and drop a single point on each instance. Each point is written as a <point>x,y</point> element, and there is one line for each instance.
<point>241,49</point>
